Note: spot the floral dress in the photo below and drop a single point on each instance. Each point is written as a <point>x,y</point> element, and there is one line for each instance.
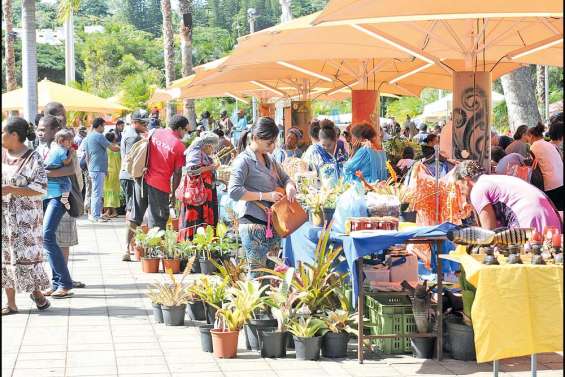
<point>22,226</point>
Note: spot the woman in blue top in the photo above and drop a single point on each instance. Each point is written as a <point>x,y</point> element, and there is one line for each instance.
<point>368,155</point>
<point>328,155</point>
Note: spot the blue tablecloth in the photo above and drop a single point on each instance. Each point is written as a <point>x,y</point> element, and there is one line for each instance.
<point>300,246</point>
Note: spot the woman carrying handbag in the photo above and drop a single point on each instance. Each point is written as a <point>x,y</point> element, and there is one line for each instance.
<point>256,182</point>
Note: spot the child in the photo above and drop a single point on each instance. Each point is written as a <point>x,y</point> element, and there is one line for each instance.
<point>112,197</point>
<point>61,155</point>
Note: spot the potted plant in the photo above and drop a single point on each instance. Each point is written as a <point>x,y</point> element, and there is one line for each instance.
<point>185,251</point>
<point>339,325</point>
<point>171,258</point>
<point>306,341</point>
<point>225,333</point>
<point>151,258</point>
<point>204,240</point>
<point>174,296</point>
<point>140,241</point>
<point>281,299</point>
<point>154,295</point>
<point>212,290</point>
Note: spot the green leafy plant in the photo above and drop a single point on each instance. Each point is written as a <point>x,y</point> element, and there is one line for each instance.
<point>247,297</point>
<point>339,321</point>
<point>204,240</point>
<point>233,270</point>
<point>395,146</point>
<point>305,328</point>
<point>281,299</point>
<point>186,249</point>
<point>153,243</point>
<point>231,319</point>
<point>172,293</point>
<point>211,289</point>
<point>170,244</point>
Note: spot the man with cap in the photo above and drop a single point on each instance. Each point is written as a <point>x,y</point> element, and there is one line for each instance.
<point>422,134</point>
<point>154,121</point>
<point>131,135</point>
<point>81,135</point>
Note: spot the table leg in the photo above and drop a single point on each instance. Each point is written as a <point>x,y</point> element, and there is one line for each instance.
<point>534,365</point>
<point>495,368</point>
<point>439,333</point>
<point>360,311</point>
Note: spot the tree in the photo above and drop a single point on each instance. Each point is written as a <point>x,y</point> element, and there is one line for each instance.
<point>29,60</point>
<point>185,7</point>
<point>169,50</point>
<point>137,88</point>
<point>143,14</point>
<point>10,54</point>
<point>540,86</point>
<point>404,106</point>
<point>93,8</point>
<point>210,43</point>
<point>519,92</point>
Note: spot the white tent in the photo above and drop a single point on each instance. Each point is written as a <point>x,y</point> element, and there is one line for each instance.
<point>441,108</point>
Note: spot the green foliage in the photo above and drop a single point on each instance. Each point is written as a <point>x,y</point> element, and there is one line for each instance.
<point>143,15</point>
<point>339,321</point>
<point>395,146</point>
<point>211,289</point>
<point>93,8</point>
<point>404,106</point>
<point>500,118</point>
<point>305,328</point>
<point>137,88</point>
<point>331,107</point>
<point>210,43</point>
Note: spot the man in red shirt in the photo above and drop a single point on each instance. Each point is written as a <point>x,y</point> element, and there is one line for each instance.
<point>165,161</point>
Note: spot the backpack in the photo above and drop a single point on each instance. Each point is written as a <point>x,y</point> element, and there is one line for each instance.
<point>136,159</point>
<point>529,172</point>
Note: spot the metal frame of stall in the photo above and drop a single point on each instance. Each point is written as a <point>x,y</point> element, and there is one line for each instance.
<point>438,334</point>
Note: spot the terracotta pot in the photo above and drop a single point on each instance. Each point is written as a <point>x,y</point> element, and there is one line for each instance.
<point>224,343</point>
<point>145,228</point>
<point>173,264</point>
<point>175,222</point>
<point>138,252</point>
<point>150,265</point>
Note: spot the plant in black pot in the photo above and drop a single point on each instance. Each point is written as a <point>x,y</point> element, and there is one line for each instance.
<point>154,294</point>
<point>339,327</point>
<point>212,291</point>
<point>185,251</point>
<point>205,239</point>
<point>282,298</point>
<point>174,296</point>
<point>307,339</point>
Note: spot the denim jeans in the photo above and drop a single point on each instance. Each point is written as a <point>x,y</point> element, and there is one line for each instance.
<point>96,193</point>
<point>53,211</point>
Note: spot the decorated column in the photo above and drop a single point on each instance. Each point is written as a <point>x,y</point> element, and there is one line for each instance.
<point>471,116</point>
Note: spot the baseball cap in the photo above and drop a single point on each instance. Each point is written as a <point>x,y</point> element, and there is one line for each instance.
<point>140,116</point>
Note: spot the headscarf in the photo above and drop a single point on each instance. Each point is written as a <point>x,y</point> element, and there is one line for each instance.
<point>194,154</point>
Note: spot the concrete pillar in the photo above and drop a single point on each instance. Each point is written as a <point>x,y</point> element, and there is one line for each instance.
<point>365,105</point>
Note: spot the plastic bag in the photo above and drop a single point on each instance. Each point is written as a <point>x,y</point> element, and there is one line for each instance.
<point>351,203</point>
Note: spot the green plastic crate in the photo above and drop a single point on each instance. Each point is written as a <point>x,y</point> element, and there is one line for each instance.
<point>390,314</point>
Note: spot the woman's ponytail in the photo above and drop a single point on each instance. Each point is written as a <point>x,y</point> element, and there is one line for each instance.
<point>30,132</point>
<point>243,140</point>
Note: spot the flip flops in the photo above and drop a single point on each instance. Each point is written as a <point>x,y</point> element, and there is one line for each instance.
<point>62,293</point>
<point>7,311</point>
<point>46,305</point>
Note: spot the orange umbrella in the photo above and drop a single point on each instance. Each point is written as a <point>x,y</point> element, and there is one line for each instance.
<point>521,31</point>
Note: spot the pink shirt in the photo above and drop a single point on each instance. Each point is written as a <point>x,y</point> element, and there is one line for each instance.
<point>550,163</point>
<point>166,154</point>
<point>530,206</point>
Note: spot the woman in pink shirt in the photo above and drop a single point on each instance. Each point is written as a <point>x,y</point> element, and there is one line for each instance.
<point>505,201</point>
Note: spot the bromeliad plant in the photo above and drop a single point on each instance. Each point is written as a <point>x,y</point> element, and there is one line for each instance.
<point>172,293</point>
<point>211,289</point>
<point>234,270</point>
<point>246,298</point>
<point>340,321</point>
<point>306,328</point>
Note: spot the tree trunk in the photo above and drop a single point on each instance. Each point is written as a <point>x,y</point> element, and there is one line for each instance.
<point>11,83</point>
<point>69,48</point>
<point>29,60</point>
<point>169,51</point>
<point>186,57</point>
<point>519,92</point>
<point>540,86</point>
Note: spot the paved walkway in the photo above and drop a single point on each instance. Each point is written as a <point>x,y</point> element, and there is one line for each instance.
<point>107,330</point>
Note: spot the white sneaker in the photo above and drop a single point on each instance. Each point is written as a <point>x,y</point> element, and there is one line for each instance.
<point>91,218</point>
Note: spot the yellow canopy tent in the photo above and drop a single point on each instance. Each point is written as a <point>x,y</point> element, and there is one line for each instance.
<point>521,31</point>
<point>73,99</point>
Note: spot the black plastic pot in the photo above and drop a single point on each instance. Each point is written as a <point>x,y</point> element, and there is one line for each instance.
<point>273,343</point>
<point>206,338</point>
<point>289,341</point>
<point>206,267</point>
<point>195,311</point>
<point>254,329</point>
<point>183,263</point>
<point>174,315</point>
<point>423,348</point>
<point>328,214</point>
<point>157,312</point>
<point>334,346</point>
<point>210,313</point>
<point>196,267</point>
<point>307,348</point>
<point>461,340</point>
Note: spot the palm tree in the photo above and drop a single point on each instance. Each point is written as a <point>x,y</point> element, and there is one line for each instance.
<point>66,11</point>
<point>29,60</point>
<point>169,50</point>
<point>185,7</point>
<point>11,83</point>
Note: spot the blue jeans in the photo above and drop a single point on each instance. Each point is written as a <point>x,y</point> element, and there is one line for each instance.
<point>53,211</point>
<point>97,193</point>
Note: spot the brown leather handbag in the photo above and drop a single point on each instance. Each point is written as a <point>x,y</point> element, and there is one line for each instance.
<point>286,217</point>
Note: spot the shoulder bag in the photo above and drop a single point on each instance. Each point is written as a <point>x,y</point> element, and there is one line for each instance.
<point>285,217</point>
<point>191,190</point>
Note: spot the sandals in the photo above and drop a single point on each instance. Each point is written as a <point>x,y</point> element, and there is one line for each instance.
<point>62,293</point>
<point>45,305</point>
<point>78,284</point>
<point>48,292</point>
<point>8,311</point>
